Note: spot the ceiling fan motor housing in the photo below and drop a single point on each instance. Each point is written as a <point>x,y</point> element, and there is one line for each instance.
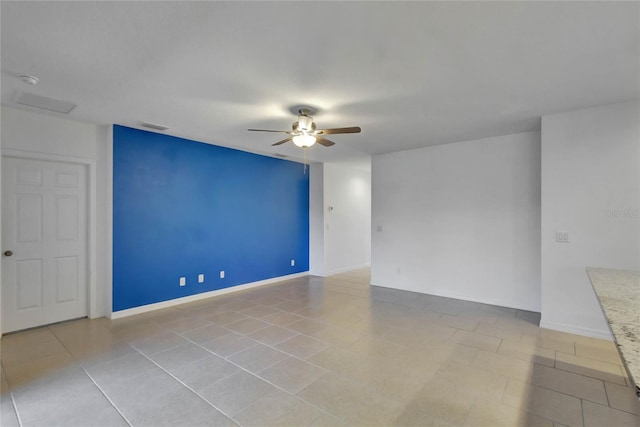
<point>304,124</point>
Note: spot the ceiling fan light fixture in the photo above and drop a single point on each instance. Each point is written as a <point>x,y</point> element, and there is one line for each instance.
<point>304,140</point>
<point>305,123</point>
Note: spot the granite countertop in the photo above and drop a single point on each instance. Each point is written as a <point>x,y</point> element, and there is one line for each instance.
<point>619,295</point>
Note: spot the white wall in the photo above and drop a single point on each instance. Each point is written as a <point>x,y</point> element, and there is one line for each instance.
<point>460,220</point>
<point>45,136</point>
<point>591,189</point>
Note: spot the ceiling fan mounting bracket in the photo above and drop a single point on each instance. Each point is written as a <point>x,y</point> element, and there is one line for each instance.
<point>303,110</point>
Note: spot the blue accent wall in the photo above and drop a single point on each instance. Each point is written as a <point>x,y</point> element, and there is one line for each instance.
<point>183,208</point>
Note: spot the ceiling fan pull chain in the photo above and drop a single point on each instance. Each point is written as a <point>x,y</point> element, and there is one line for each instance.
<point>304,150</point>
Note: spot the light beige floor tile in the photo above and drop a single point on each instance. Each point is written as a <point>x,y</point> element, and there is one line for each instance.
<point>496,414</point>
<point>278,409</point>
<point>543,402</point>
<point>257,358</point>
<point>327,420</point>
<point>17,354</point>
<point>229,344</point>
<point>237,392</point>
<point>397,381</point>
<point>468,323</point>
<point>307,326</point>
<point>375,347</point>
<point>105,354</point>
<point>560,343</point>
<point>247,326</point>
<point>482,342</point>
<point>180,407</point>
<point>506,333</point>
<point>291,306</point>
<point>302,346</point>
<point>272,335</point>
<point>570,383</point>
<point>205,372</point>
<point>225,317</point>
<point>158,343</point>
<point>148,385</point>
<point>206,333</point>
<point>405,367</point>
<point>503,365</point>
<point>121,369</point>
<point>528,352</point>
<point>259,311</point>
<point>55,407</point>
<point>599,352</point>
<point>179,357</point>
<point>239,304</point>
<point>342,319</point>
<point>8,416</point>
<point>187,324</point>
<point>622,398</point>
<point>411,416</point>
<point>590,367</point>
<point>270,300</point>
<point>292,374</point>
<point>447,404</point>
<point>57,381</point>
<point>25,373</point>
<point>315,312</point>
<point>337,360</point>
<point>471,380</point>
<point>597,416</point>
<point>342,337</point>
<point>282,318</point>
<point>350,401</point>
<point>28,338</point>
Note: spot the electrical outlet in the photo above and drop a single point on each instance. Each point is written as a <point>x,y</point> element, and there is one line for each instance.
<point>200,278</point>
<point>562,236</point>
<point>293,263</point>
<point>222,274</point>
<point>183,281</point>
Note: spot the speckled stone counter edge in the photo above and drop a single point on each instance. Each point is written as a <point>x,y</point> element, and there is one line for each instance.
<point>619,294</point>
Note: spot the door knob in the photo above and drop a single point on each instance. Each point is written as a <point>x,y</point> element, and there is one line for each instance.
<point>8,253</point>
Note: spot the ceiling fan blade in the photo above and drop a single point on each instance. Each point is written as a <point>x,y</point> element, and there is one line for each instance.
<point>324,141</point>
<point>283,141</point>
<point>267,130</point>
<point>354,129</point>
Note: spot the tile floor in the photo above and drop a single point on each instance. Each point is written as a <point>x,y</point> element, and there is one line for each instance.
<point>314,352</point>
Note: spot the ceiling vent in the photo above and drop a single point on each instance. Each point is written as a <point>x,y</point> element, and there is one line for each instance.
<point>154,126</point>
<point>43,103</point>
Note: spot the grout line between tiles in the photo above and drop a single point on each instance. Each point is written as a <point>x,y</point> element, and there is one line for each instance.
<point>93,380</point>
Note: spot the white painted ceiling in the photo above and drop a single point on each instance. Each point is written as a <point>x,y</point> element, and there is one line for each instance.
<point>410,74</point>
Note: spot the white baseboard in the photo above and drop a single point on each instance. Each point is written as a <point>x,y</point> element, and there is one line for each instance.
<point>346,269</point>
<point>204,295</point>
<point>490,301</point>
<point>572,329</point>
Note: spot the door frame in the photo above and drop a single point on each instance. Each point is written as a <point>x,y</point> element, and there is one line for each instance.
<point>90,165</point>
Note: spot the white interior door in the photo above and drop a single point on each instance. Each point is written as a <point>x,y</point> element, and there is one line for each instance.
<point>44,242</point>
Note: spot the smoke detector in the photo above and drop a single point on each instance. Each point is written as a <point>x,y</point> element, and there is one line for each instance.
<point>30,80</point>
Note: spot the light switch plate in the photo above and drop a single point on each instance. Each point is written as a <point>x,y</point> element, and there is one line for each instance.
<point>200,278</point>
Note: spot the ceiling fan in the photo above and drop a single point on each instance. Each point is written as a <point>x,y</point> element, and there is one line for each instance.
<point>305,133</point>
